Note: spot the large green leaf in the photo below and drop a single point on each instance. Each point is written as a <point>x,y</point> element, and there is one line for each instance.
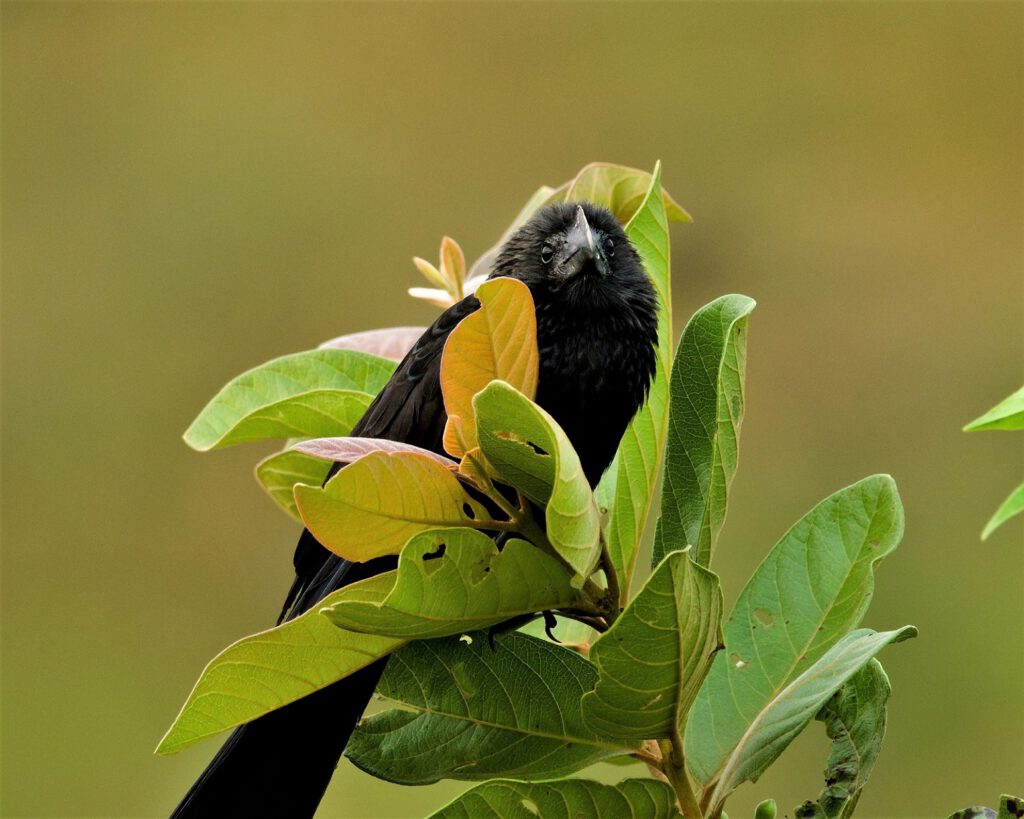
<point>314,393</point>
<point>627,488</point>
<point>1007,414</point>
<point>855,721</point>
<point>566,799</point>
<point>705,413</point>
<point>785,715</point>
<point>375,504</point>
<point>279,473</point>
<point>475,712</point>
<point>811,589</point>
<point>532,453</point>
<point>267,670</point>
<point>450,581</point>
<point>652,661</point>
<point>1010,507</point>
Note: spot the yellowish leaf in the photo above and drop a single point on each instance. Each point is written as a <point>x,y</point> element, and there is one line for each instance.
<point>375,504</point>
<point>453,266</point>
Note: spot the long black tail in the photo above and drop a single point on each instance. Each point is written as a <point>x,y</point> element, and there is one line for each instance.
<point>280,764</point>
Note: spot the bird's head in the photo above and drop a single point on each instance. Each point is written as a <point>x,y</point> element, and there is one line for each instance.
<point>575,253</point>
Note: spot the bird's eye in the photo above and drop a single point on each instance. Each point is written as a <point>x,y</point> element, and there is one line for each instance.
<point>547,253</point>
<point>609,246</point>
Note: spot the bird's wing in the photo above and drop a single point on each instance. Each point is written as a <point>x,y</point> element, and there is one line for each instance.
<point>409,409</point>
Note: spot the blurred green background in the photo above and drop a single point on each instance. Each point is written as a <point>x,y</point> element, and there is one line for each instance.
<point>191,189</point>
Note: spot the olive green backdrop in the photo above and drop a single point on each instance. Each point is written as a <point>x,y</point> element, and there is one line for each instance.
<point>189,190</point>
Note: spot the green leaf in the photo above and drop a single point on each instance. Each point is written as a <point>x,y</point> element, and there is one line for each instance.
<point>532,453</point>
<point>474,712</point>
<point>375,504</point>
<point>566,799</point>
<point>705,413</point>
<point>267,670</point>
<point>812,588</point>
<point>652,661</point>
<point>1013,505</point>
<point>279,473</point>
<point>315,393</point>
<point>1007,414</point>
<point>855,722</point>
<point>388,342</point>
<point>627,488</point>
<point>450,581</point>
<point>621,189</point>
<point>766,810</point>
<point>785,715</point>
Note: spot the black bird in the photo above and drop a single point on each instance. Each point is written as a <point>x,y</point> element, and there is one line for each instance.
<point>596,334</point>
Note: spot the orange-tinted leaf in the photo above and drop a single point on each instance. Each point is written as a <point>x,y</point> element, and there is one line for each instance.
<point>375,504</point>
<point>388,342</point>
<point>498,341</point>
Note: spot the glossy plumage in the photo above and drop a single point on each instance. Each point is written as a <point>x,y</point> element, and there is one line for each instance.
<point>596,331</point>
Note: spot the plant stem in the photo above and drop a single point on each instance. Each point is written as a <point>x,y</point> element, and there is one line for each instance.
<point>674,768</point>
<point>612,578</point>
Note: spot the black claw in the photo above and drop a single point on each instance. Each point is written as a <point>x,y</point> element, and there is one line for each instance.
<point>550,621</point>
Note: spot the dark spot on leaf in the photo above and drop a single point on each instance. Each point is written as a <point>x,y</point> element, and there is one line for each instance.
<point>467,510</point>
<point>1015,806</point>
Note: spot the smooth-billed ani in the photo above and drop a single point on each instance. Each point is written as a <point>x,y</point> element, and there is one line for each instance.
<point>596,334</point>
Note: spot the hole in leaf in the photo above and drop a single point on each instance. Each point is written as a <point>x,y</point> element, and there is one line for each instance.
<point>530,806</point>
<point>765,618</point>
<point>519,439</point>
<point>738,661</point>
<point>467,510</point>
<point>438,552</point>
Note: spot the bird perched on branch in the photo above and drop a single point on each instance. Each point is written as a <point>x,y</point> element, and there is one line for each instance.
<point>597,328</point>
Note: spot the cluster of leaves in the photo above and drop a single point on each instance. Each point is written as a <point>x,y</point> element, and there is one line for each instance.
<point>707,700</point>
<point>1007,414</point>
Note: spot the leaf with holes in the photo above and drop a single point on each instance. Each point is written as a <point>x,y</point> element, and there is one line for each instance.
<point>388,342</point>
<point>450,581</point>
<point>705,413</point>
<point>279,473</point>
<point>532,453</point>
<point>375,504</point>
<point>778,721</point>
<point>260,673</point>
<point>565,799</point>
<point>498,341</point>
<point>854,719</point>
<point>652,661</point>
<point>318,392</point>
<point>463,718</point>
<point>811,589</point>
<point>1007,414</point>
<point>627,488</point>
